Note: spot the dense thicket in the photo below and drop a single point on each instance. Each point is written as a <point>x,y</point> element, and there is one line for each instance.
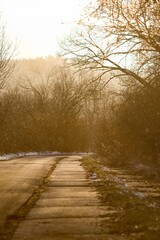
<point>108,102</point>
<point>129,132</point>
<point>46,108</point>
<point>120,41</point>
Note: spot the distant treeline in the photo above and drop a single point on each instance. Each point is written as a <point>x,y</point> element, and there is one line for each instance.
<point>62,112</point>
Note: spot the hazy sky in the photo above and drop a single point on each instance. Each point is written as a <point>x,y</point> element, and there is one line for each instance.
<point>37,25</point>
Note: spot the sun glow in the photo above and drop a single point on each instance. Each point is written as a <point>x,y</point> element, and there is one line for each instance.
<point>39,25</point>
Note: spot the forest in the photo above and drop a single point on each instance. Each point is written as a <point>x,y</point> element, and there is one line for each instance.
<point>100,94</point>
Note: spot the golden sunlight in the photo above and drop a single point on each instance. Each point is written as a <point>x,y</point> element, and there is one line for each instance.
<point>37,26</point>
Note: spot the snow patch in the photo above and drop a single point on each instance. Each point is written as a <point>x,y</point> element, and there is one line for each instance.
<point>10,156</point>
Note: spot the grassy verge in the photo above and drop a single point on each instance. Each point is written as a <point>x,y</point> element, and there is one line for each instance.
<point>144,167</point>
<point>135,216</point>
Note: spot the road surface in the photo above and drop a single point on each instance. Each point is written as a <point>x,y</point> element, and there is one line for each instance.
<point>19,178</point>
<point>46,198</point>
<point>67,207</point>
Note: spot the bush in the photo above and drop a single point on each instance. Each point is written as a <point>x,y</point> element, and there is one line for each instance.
<point>132,134</point>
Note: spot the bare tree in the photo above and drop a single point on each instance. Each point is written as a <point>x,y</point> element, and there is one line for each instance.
<point>6,53</point>
<point>120,38</point>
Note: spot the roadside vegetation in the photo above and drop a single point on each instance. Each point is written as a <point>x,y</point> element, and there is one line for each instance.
<point>43,112</point>
<point>102,95</point>
<point>119,40</point>
<point>137,214</point>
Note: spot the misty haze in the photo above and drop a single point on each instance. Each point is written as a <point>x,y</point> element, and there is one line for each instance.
<point>80,120</point>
